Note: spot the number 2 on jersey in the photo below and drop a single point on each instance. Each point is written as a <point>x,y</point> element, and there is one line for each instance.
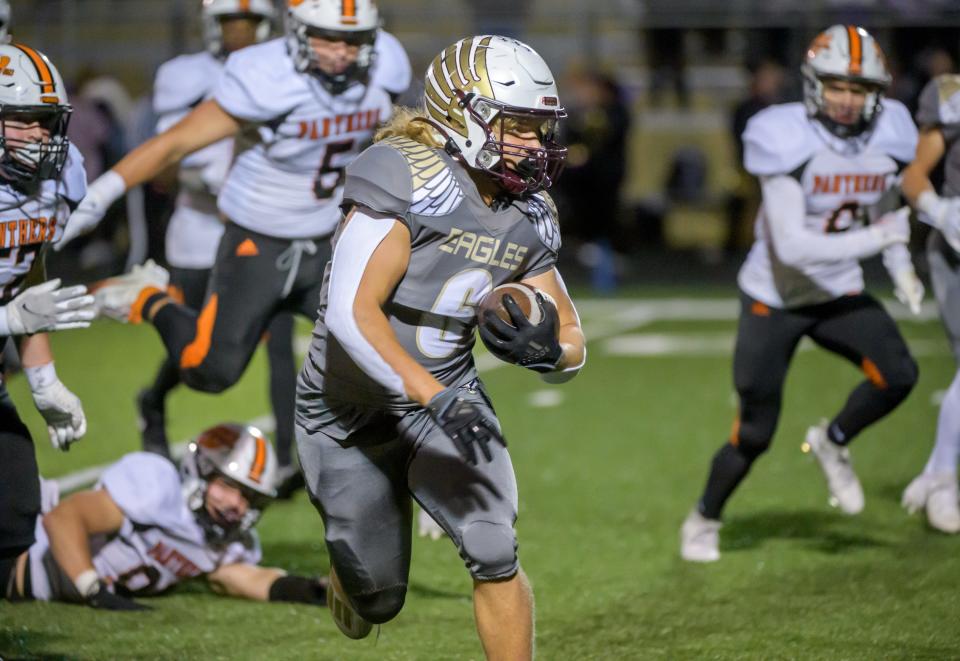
<point>327,168</point>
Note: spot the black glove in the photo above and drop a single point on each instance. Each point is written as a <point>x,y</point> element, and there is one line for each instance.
<point>464,423</point>
<point>107,600</point>
<point>534,347</point>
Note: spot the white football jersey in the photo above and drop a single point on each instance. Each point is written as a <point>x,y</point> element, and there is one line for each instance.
<point>160,542</point>
<point>195,227</point>
<point>391,67</point>
<point>29,222</point>
<point>287,180</point>
<point>840,178</point>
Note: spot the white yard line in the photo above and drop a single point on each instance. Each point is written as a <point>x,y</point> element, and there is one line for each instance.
<point>602,319</point>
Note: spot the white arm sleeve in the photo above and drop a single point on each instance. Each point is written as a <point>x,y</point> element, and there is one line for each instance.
<point>356,244</point>
<point>784,207</point>
<point>897,258</point>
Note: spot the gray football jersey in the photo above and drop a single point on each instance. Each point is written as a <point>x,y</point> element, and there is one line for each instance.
<point>940,108</point>
<point>460,250</point>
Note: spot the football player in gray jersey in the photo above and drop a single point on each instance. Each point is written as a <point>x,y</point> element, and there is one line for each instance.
<point>449,203</point>
<point>938,116</point>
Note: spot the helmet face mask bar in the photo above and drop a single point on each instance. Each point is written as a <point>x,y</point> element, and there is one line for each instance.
<point>536,168</point>
<point>243,459</point>
<point>354,24</point>
<point>27,162</point>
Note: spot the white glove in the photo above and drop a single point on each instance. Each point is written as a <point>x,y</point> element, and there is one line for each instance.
<point>908,289</point>
<point>892,227</point>
<point>103,192</point>
<point>942,213</point>
<point>59,407</point>
<point>47,307</point>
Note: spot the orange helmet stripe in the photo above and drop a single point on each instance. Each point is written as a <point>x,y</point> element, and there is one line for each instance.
<point>245,6</point>
<point>348,12</point>
<point>856,50</point>
<point>259,460</point>
<point>43,70</point>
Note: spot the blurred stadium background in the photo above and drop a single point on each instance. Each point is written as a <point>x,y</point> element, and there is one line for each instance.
<point>609,464</point>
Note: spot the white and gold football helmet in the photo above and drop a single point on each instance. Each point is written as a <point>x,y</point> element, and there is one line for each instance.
<point>214,11</point>
<point>475,88</point>
<point>32,93</point>
<point>352,21</point>
<point>240,455</point>
<point>845,52</point>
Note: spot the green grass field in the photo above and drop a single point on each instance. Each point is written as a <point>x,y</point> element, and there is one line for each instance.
<point>606,476</point>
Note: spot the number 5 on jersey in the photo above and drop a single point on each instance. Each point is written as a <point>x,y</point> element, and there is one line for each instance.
<point>322,186</point>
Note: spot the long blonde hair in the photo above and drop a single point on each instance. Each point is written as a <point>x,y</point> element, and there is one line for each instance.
<point>409,123</point>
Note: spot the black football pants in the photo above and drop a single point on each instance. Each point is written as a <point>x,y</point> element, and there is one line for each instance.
<point>254,279</point>
<point>854,327</point>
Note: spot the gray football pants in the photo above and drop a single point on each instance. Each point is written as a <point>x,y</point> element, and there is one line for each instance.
<point>362,488</point>
<point>945,276</point>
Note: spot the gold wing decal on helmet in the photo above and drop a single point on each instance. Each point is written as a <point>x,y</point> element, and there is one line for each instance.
<point>463,67</point>
<point>436,191</point>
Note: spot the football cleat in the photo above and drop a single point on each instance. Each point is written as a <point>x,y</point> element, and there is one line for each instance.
<point>151,420</point>
<point>427,527</point>
<point>939,495</point>
<point>700,538</point>
<point>120,297</point>
<point>845,490</point>
<point>347,620</point>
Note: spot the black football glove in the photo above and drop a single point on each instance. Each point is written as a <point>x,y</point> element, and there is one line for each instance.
<point>536,347</point>
<point>107,600</point>
<point>464,423</point>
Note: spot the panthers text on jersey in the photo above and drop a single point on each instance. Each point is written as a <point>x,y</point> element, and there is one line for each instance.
<point>29,221</point>
<point>195,227</point>
<point>840,180</point>
<point>287,180</point>
<point>159,544</point>
<point>460,250</point>
<point>939,107</point>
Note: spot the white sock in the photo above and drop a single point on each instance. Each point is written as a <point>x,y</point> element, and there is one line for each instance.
<point>946,451</point>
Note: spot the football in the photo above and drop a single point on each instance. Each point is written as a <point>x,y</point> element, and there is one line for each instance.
<point>523,294</point>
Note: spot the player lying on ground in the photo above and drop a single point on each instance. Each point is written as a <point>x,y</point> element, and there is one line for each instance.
<point>447,204</point>
<point>145,527</point>
<point>824,166</point>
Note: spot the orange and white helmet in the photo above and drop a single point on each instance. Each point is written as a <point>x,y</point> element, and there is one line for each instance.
<point>475,88</point>
<point>32,92</point>
<point>240,455</point>
<point>845,52</point>
<point>352,21</point>
<point>214,11</point>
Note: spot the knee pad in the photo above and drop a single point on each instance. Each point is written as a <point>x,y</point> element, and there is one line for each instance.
<point>489,549</point>
<point>380,606</point>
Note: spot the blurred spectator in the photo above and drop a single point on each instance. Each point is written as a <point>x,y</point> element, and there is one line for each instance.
<point>767,80</point>
<point>507,18</point>
<point>596,135</point>
<point>667,62</point>
<point>101,108</point>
